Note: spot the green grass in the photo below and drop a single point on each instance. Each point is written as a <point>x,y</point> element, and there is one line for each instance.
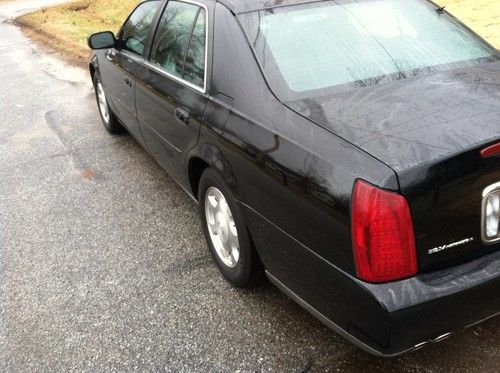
<point>80,18</point>
<point>66,27</point>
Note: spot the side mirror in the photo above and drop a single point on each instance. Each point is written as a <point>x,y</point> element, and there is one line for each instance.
<point>102,40</point>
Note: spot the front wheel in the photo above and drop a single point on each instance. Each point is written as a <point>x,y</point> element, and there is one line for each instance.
<point>226,233</point>
<point>109,119</point>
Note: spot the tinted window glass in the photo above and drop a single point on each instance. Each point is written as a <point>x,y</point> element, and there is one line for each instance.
<point>313,47</point>
<point>179,44</point>
<point>194,71</point>
<point>136,30</point>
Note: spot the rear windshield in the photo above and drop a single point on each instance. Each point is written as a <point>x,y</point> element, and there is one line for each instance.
<point>309,48</point>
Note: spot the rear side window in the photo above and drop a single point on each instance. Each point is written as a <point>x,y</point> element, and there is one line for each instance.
<point>135,31</point>
<point>179,43</point>
<point>194,71</point>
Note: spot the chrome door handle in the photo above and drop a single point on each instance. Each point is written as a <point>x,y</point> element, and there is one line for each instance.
<point>182,115</point>
<point>127,81</point>
<point>110,54</point>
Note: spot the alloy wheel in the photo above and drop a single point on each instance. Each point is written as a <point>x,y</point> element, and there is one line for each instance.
<point>222,228</point>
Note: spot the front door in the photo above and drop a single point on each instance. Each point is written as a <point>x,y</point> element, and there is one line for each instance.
<point>120,67</point>
<point>171,100</point>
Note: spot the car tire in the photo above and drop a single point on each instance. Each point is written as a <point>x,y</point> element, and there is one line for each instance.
<point>109,119</point>
<point>227,234</point>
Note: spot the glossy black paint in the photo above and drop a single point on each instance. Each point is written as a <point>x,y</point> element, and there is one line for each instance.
<point>430,131</point>
<point>292,167</point>
<point>118,77</point>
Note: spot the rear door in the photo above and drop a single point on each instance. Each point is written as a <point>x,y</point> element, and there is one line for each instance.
<point>119,69</point>
<point>171,98</point>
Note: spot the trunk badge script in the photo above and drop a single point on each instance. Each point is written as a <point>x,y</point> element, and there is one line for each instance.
<point>450,246</point>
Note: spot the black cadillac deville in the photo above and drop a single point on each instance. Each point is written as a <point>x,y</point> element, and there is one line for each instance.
<point>349,150</point>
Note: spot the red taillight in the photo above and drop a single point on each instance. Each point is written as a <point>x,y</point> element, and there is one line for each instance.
<point>382,235</point>
<point>490,151</point>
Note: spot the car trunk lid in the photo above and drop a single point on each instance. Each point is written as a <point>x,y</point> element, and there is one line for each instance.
<point>430,130</point>
<point>446,201</point>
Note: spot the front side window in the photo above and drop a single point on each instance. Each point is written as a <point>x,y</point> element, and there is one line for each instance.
<point>179,43</point>
<point>135,32</point>
<point>307,49</point>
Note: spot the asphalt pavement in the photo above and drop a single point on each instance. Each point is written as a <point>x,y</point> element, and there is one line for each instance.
<point>103,266</point>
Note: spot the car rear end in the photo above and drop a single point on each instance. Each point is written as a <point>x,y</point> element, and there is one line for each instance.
<point>427,256</point>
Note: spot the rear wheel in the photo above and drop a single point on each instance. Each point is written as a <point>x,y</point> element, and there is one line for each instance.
<point>109,119</point>
<point>226,233</point>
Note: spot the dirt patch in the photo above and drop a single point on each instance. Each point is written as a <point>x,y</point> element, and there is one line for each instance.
<point>65,28</point>
<point>79,7</point>
<point>50,43</point>
<point>89,174</point>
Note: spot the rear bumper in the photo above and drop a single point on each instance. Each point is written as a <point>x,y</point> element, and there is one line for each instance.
<point>417,311</point>
<point>430,307</point>
<point>383,319</point>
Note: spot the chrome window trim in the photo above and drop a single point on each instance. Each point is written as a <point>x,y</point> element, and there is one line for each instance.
<point>176,78</point>
<point>492,188</point>
<point>143,61</point>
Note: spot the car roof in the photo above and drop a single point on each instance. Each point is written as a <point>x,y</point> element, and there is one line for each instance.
<point>244,6</point>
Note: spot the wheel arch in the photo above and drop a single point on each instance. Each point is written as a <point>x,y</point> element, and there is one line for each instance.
<point>93,67</point>
<point>210,156</point>
<point>196,167</point>
<point>92,71</point>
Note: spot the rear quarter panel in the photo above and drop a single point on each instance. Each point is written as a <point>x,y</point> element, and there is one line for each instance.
<point>290,174</point>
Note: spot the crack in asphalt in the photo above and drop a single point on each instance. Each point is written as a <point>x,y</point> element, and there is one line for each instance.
<point>78,159</point>
<point>189,265</point>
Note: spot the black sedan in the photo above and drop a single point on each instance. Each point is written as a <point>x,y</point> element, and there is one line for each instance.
<point>348,150</point>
